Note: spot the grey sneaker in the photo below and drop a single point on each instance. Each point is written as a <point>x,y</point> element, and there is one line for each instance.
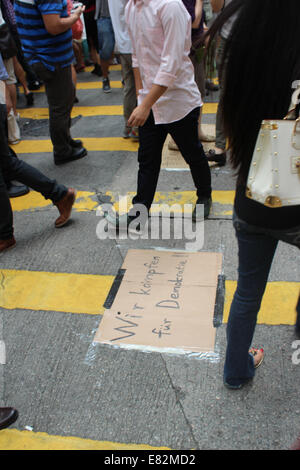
<point>106,85</point>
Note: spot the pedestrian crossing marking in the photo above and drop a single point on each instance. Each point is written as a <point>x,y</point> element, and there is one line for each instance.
<point>92,144</point>
<point>43,113</point>
<point>88,111</point>
<point>12,439</point>
<point>87,201</point>
<point>85,86</point>
<point>57,292</point>
<point>86,294</point>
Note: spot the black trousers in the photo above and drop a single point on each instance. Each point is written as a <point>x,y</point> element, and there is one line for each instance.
<point>60,93</point>
<point>11,168</point>
<point>152,137</point>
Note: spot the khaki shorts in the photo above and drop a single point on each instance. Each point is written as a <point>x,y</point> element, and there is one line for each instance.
<point>9,65</point>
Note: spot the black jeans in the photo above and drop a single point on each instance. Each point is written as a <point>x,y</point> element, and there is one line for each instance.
<point>152,137</point>
<point>60,93</point>
<point>11,168</point>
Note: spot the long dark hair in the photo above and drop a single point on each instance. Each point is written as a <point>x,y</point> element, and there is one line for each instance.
<point>261,61</point>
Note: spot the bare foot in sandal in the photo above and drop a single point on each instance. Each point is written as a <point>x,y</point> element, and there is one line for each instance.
<point>258,356</point>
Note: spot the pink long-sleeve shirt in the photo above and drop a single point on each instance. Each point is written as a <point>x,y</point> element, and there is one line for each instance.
<point>160,31</point>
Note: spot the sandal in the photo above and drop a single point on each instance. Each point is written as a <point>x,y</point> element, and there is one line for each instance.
<point>254,352</point>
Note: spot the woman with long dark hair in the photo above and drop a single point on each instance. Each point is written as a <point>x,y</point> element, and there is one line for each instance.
<point>262,62</point>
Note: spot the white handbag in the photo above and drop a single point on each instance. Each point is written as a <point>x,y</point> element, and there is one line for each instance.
<point>274,174</point>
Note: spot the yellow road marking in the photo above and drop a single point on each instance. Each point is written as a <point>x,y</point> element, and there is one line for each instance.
<point>278,305</point>
<point>85,86</point>
<point>86,294</point>
<point>43,113</point>
<point>12,439</point>
<point>114,110</point>
<point>87,201</point>
<point>58,292</point>
<point>92,144</point>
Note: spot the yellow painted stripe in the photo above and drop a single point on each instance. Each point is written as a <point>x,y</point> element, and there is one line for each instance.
<point>222,200</point>
<point>116,67</point>
<point>87,201</point>
<point>85,86</point>
<point>12,439</point>
<point>85,293</point>
<point>115,110</point>
<point>278,305</point>
<point>109,144</point>
<point>59,292</point>
<point>43,113</point>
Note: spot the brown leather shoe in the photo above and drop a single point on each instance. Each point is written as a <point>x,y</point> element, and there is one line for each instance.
<point>65,208</point>
<point>7,417</point>
<point>7,244</point>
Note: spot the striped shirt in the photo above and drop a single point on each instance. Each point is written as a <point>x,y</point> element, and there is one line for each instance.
<point>39,45</point>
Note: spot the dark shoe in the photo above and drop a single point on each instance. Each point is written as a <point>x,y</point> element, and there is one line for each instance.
<point>97,70</point>
<point>76,143</point>
<point>65,208</point>
<point>297,331</point>
<point>29,99</point>
<point>76,100</point>
<point>7,245</point>
<point>76,154</point>
<point>16,190</point>
<point>220,159</point>
<point>106,85</point>
<point>211,86</point>
<point>34,85</point>
<point>7,417</point>
<point>207,202</point>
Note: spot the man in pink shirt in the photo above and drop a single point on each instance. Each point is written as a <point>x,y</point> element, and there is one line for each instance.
<point>168,98</point>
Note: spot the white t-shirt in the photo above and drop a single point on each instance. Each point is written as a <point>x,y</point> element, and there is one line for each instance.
<point>117,15</point>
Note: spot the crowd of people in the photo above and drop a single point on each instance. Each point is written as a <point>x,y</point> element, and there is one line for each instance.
<point>167,50</point>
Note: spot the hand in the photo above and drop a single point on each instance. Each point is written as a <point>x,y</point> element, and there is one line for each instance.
<point>77,13</point>
<point>139,116</point>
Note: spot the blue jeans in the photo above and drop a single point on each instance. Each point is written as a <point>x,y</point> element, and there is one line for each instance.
<point>257,247</point>
<point>106,38</point>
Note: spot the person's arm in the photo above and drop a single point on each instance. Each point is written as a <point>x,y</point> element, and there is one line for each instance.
<point>217,5</point>
<point>198,14</point>
<point>54,24</point>
<point>141,113</point>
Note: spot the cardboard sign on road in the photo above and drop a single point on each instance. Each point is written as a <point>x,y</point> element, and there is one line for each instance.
<point>165,301</point>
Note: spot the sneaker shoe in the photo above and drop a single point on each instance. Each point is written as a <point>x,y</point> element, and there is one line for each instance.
<point>64,207</point>
<point>106,85</point>
<point>207,202</point>
<point>219,158</point>
<point>7,244</point>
